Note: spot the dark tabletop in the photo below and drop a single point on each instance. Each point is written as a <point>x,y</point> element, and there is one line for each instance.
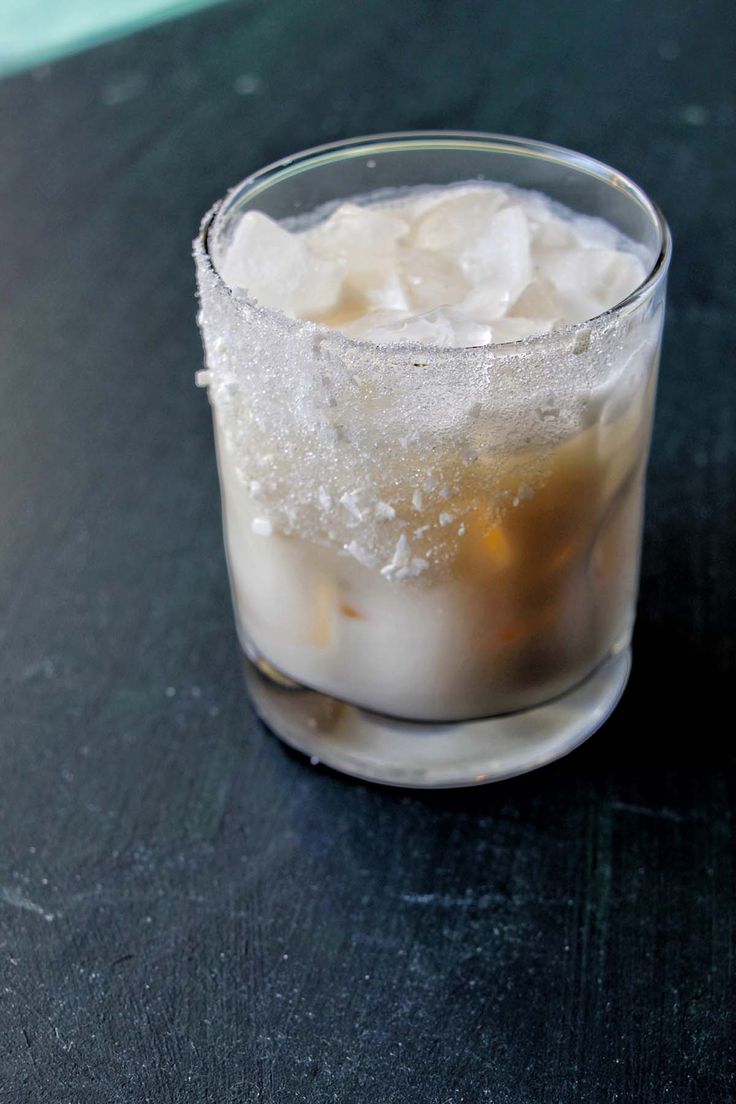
<point>189,912</point>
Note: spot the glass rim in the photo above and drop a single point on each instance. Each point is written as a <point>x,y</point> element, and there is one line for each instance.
<point>478,141</point>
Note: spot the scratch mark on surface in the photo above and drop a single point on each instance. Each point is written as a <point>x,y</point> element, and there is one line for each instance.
<point>16,899</point>
<point>644,810</point>
<point>123,958</point>
<point>453,900</point>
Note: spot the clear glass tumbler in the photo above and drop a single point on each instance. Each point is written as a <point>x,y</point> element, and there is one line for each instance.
<point>433,552</point>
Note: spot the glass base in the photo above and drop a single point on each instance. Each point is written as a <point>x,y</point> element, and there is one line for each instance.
<point>460,753</point>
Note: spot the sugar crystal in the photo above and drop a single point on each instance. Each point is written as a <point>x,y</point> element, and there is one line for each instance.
<point>385,361</point>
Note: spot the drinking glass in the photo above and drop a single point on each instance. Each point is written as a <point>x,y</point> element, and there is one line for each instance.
<point>433,552</point>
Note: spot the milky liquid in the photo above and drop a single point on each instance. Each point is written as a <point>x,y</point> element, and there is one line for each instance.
<point>477,569</point>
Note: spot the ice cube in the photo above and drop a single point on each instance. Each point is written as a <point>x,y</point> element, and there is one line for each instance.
<point>620,274</point>
<point>452,224</point>
<point>382,289</point>
<point>375,322</point>
<point>516,329</point>
<point>500,253</point>
<point>538,300</point>
<point>548,234</point>
<point>485,302</point>
<point>486,236</point>
<point>364,241</point>
<point>467,332</point>
<point>279,269</point>
<point>402,327</point>
<point>352,229</point>
<point>437,327</point>
<point>430,279</point>
<point>588,281</point>
<point>417,201</point>
<point>594,232</point>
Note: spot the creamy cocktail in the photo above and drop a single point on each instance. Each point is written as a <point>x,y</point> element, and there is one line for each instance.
<point>432,430</point>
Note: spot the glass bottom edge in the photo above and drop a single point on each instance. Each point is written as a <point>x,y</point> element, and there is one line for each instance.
<point>440,755</point>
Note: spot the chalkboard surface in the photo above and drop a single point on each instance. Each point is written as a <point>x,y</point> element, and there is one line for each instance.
<point>189,912</point>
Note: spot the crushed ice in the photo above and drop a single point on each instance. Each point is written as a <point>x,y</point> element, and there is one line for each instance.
<point>465,266</point>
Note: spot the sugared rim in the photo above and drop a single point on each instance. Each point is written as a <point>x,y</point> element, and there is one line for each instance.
<point>369,144</point>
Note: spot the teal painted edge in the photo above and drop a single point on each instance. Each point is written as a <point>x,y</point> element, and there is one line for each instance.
<point>55,48</point>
